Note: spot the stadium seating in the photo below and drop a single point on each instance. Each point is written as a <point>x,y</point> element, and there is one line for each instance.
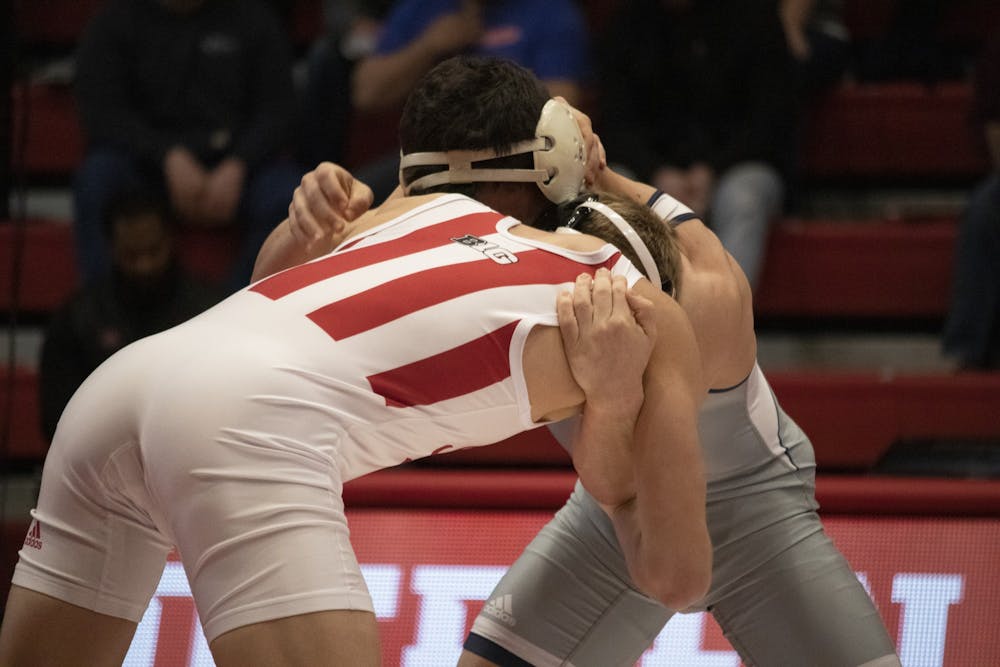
<point>888,270</point>
<point>851,418</point>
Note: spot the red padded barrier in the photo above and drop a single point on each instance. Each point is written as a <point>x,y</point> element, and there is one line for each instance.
<point>520,489</point>
<point>813,268</point>
<point>894,130</point>
<point>48,268</point>
<point>53,140</point>
<point>862,269</point>
<point>26,440</point>
<point>851,419</point>
<point>53,22</point>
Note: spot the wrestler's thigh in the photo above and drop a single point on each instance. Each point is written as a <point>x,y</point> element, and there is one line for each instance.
<point>331,638</point>
<point>259,522</point>
<point>42,630</point>
<point>568,599</point>
<point>804,607</point>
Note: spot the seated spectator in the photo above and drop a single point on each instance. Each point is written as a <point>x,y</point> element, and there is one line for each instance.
<point>699,99</point>
<point>194,97</point>
<point>351,30</point>
<point>913,46</point>
<point>972,328</point>
<point>549,38</point>
<point>146,291</point>
<point>818,40</point>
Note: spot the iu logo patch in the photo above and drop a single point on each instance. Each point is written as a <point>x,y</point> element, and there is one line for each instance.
<point>34,538</point>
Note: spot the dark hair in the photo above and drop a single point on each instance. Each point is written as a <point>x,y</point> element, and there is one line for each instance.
<point>471,103</point>
<point>660,238</point>
<point>134,201</point>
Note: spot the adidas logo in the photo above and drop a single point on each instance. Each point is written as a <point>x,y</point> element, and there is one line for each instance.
<point>34,538</point>
<point>501,609</point>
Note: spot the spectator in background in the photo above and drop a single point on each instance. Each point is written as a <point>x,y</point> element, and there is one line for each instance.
<point>972,328</point>
<point>194,97</point>
<point>351,30</point>
<point>818,40</point>
<point>146,291</point>
<point>699,99</point>
<point>913,46</point>
<point>549,38</point>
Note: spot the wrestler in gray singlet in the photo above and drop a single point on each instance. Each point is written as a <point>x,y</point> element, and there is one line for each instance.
<point>781,591</point>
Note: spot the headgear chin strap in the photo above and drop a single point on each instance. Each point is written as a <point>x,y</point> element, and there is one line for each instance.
<point>557,148</point>
<point>648,264</point>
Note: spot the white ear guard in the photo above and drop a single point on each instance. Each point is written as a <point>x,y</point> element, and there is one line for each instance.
<point>652,273</point>
<point>557,148</point>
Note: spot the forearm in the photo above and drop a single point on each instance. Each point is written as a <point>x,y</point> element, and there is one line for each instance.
<point>614,183</point>
<point>283,250</point>
<point>383,81</point>
<point>662,529</point>
<point>666,207</point>
<point>795,13</point>
<point>602,453</point>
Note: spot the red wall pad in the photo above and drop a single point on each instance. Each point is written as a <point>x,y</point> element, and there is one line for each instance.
<point>893,130</point>
<point>853,419</point>
<point>830,269</point>
<point>500,489</point>
<point>48,269</point>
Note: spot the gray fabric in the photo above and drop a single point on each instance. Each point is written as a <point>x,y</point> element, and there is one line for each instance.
<point>781,591</point>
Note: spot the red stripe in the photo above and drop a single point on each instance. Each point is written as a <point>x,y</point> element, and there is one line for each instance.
<point>394,299</point>
<point>455,372</point>
<point>290,280</point>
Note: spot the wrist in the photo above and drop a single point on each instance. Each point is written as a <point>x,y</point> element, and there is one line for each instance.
<point>615,408</point>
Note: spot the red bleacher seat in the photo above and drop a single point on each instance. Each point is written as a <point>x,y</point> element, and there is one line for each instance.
<point>53,22</point>
<point>26,439</point>
<point>813,268</point>
<point>53,140</point>
<point>517,489</point>
<point>48,267</point>
<point>893,130</point>
<point>865,269</point>
<point>852,419</point>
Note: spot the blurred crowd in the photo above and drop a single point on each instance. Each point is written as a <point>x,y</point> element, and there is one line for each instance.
<point>205,114</point>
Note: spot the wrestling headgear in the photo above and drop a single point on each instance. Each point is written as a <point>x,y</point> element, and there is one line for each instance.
<point>557,148</point>
<point>633,238</point>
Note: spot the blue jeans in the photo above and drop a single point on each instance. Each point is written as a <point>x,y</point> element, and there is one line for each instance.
<point>106,171</point>
<point>747,197</point>
<point>972,327</point>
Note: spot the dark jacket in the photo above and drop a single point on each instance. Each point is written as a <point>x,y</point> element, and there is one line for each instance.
<point>217,81</point>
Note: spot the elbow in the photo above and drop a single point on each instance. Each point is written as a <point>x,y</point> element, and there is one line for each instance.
<point>367,95</point>
<point>676,584</point>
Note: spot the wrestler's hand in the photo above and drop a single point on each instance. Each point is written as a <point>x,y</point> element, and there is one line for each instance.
<point>597,160</point>
<point>608,334</point>
<point>327,199</point>
<point>186,179</point>
<point>223,189</point>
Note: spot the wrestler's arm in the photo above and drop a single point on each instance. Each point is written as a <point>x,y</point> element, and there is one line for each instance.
<point>662,527</point>
<point>641,459</point>
<point>327,199</point>
<point>608,336</point>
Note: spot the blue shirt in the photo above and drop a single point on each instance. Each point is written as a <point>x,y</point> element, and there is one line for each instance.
<point>549,38</point>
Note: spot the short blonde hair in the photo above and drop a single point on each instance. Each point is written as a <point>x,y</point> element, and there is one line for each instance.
<point>660,238</point>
